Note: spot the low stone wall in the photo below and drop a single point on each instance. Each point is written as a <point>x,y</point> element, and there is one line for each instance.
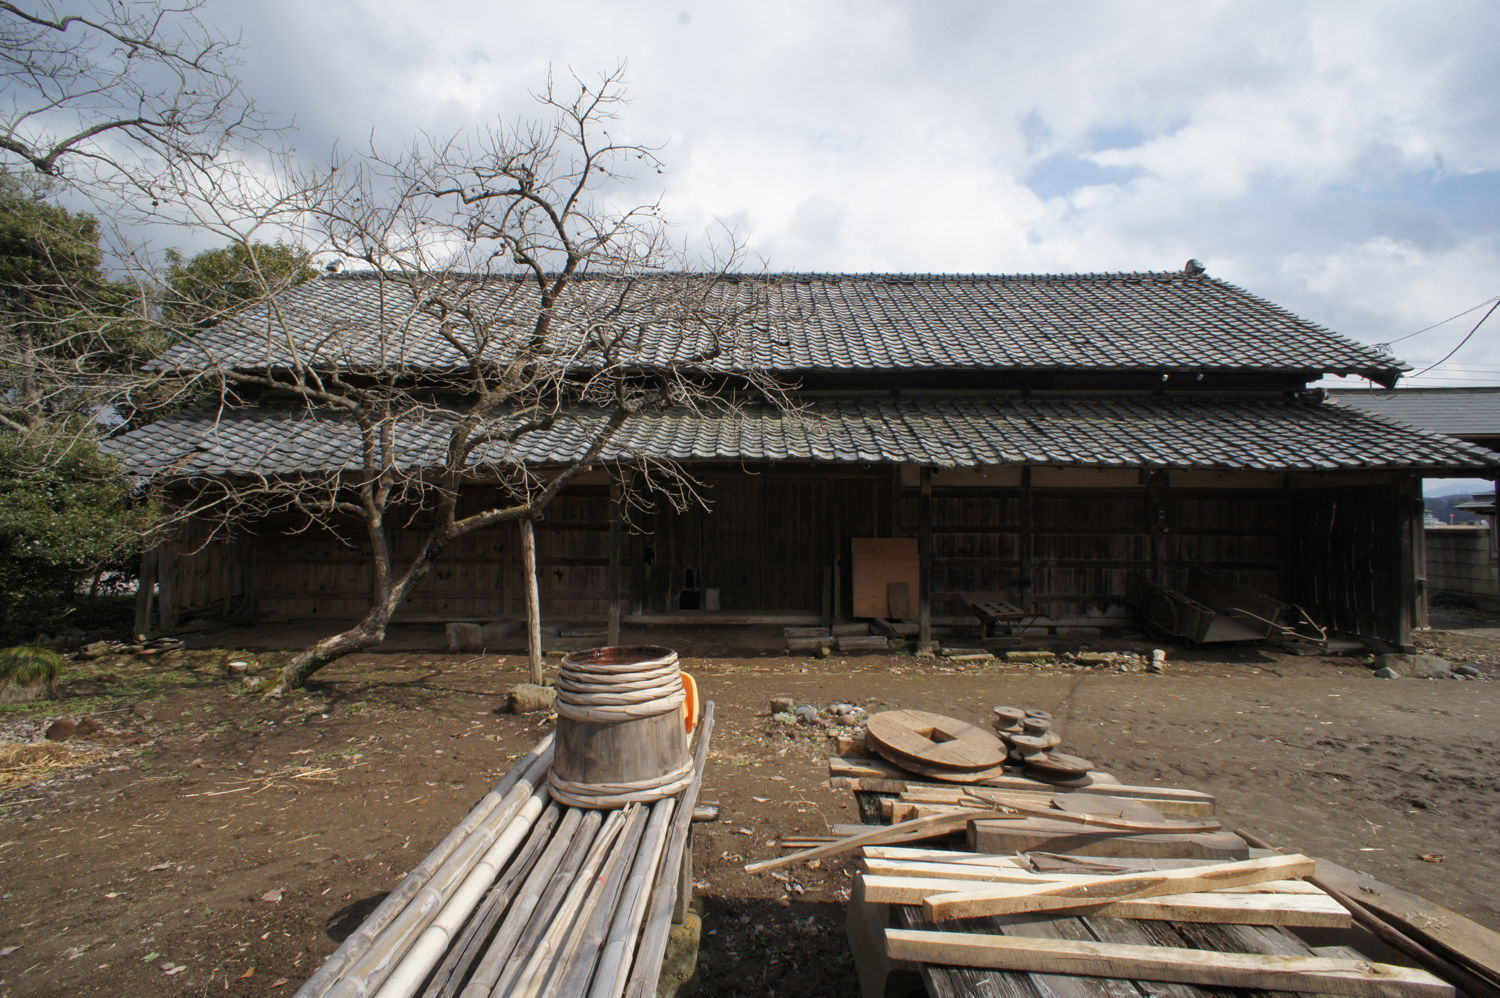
<point>1460,559</point>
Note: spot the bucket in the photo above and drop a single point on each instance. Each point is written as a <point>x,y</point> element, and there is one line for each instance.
<point>620,731</point>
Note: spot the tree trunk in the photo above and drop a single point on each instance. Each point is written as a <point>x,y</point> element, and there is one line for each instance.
<point>370,631</point>
<point>533,603</point>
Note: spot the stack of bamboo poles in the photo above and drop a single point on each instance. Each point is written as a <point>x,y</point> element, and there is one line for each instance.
<point>528,897</point>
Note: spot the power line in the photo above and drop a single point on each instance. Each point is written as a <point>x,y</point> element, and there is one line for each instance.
<point>1460,315</point>
<point>1461,342</point>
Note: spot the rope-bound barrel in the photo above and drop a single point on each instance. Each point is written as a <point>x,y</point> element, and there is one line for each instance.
<point>620,730</point>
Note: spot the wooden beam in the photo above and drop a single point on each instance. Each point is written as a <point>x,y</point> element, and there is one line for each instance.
<point>1219,907</point>
<point>1017,899</point>
<point>924,560</point>
<point>613,636</point>
<point>1040,835</point>
<point>1328,975</point>
<point>934,869</point>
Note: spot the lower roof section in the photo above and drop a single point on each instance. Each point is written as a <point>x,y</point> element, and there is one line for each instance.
<point>1225,433</point>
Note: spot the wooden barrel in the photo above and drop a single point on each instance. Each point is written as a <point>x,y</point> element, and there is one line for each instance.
<point>620,731</point>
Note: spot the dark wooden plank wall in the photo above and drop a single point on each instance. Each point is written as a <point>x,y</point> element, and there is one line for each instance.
<point>314,575</point>
<point>206,571</point>
<point>767,541</point>
<point>771,542</point>
<point>1085,542</point>
<point>1345,558</point>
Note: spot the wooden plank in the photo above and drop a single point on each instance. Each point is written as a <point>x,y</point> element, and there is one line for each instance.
<point>1016,899</point>
<point>1307,910</point>
<point>1160,963</point>
<point>898,598</point>
<point>616,515</point>
<point>1041,835</point>
<point>1455,936</point>
<point>1168,800</point>
<point>1019,874</point>
<point>921,828</point>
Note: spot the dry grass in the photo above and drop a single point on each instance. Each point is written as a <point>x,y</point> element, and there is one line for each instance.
<point>24,762</point>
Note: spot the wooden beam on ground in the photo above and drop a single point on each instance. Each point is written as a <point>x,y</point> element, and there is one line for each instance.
<point>1015,899</point>
<point>1225,907</point>
<point>1327,975</point>
<point>1042,835</point>
<point>880,776</point>
<point>935,870</point>
<point>906,831</point>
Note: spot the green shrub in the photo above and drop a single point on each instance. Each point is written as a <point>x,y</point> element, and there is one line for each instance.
<point>28,673</point>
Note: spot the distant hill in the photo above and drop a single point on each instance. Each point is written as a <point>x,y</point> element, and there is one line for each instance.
<point>1464,487</point>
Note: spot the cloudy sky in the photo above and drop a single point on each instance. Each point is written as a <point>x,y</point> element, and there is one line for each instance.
<point>1341,159</point>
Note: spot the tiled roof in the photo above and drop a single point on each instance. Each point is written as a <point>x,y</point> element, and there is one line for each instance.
<point>819,322</point>
<point>1458,412</point>
<point>1232,433</point>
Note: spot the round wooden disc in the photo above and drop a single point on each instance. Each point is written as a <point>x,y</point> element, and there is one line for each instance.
<point>1061,764</point>
<point>1009,717</point>
<point>1035,743</point>
<point>951,775</point>
<point>933,741</point>
<point>1100,806</point>
<point>1042,715</point>
<point>1036,725</point>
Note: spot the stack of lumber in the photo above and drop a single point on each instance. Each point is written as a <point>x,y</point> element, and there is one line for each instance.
<point>1100,891</point>
<point>528,896</point>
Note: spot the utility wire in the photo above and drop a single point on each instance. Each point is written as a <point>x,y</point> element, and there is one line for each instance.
<point>1461,342</point>
<point>1440,322</point>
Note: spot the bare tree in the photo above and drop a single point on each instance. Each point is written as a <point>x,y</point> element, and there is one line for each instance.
<point>511,323</point>
<point>119,89</point>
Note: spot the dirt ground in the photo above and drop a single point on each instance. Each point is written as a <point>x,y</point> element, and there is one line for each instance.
<point>230,850</point>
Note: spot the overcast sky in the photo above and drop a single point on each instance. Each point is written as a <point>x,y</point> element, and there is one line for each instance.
<point>1341,159</point>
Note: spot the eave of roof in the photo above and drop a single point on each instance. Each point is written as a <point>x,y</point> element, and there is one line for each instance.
<point>1221,433</point>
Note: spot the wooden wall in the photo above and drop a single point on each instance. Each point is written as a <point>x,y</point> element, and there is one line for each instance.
<point>1081,543</point>
<point>778,541</point>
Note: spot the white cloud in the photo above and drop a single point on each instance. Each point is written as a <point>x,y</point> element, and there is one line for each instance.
<point>1339,158</point>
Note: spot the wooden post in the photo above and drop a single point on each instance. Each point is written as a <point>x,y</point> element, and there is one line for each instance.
<point>1408,525</point>
<point>533,603</point>
<point>145,593</point>
<point>924,559</point>
<point>1156,515</point>
<point>615,499</point>
<point>166,574</point>
<point>1028,579</point>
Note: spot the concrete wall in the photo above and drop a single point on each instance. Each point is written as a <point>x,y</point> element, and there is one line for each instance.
<point>1461,559</point>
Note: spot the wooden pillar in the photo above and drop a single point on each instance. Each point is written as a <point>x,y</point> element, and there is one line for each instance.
<point>1027,582</point>
<point>615,539</point>
<point>533,602</point>
<point>166,575</point>
<point>145,594</point>
<point>1156,523</point>
<point>1409,567</point>
<point>924,559</point>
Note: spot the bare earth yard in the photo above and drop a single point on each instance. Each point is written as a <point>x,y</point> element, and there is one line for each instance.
<point>230,852</point>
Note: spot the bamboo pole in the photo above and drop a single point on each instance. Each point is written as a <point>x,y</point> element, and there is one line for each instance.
<point>533,602</point>
<point>407,976</point>
<point>571,973</point>
<point>357,944</point>
<point>523,978</point>
<point>532,905</point>
<point>614,961</point>
<point>462,954</point>
<point>646,968</point>
<point>564,939</point>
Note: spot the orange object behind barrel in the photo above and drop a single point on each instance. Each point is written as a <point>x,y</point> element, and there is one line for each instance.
<point>692,709</point>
